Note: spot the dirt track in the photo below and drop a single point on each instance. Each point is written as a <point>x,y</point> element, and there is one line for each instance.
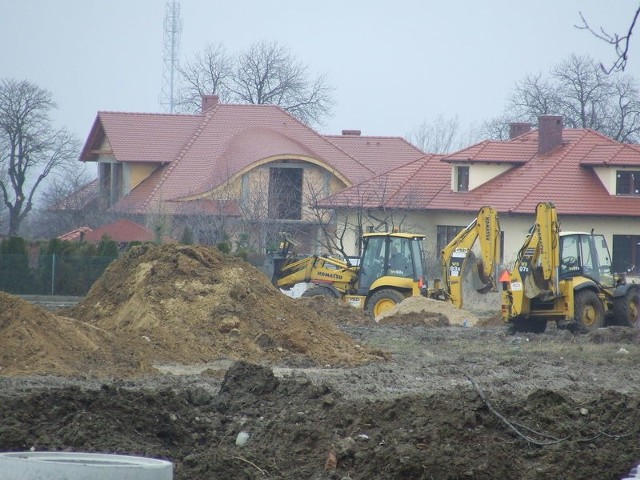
<point>178,350</point>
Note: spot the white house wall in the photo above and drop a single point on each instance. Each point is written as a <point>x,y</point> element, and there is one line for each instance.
<point>515,228</point>
<point>607,176</point>
<point>480,174</point>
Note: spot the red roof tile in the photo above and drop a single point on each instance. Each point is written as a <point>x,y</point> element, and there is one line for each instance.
<point>122,231</point>
<point>565,177</point>
<point>409,186</point>
<point>201,152</point>
<point>75,234</point>
<point>141,137</point>
<point>518,150</point>
<point>378,153</point>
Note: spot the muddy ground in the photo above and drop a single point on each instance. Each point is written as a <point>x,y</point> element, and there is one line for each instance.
<point>415,397</point>
<point>451,402</point>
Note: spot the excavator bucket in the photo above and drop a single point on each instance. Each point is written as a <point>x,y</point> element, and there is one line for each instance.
<point>474,277</point>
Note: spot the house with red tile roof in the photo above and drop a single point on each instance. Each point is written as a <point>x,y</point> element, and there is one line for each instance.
<point>593,180</point>
<point>241,171</point>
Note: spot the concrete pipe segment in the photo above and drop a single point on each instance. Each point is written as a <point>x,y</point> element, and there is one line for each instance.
<point>85,466</point>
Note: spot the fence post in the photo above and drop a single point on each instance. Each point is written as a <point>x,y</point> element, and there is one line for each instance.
<point>53,272</point>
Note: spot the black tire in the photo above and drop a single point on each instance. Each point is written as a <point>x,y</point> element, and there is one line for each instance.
<point>319,291</point>
<point>382,301</point>
<point>588,311</point>
<point>626,309</point>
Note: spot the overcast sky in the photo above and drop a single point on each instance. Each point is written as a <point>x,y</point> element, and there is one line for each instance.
<point>394,64</point>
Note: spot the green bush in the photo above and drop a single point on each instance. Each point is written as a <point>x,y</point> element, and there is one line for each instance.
<point>15,274</point>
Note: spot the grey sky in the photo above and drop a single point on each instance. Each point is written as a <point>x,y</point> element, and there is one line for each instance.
<point>393,64</point>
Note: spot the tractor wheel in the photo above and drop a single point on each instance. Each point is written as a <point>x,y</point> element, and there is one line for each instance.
<point>382,301</point>
<point>626,310</point>
<point>319,291</point>
<point>589,311</point>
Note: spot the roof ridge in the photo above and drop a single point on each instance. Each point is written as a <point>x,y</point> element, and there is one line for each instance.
<point>150,114</point>
<point>552,167</point>
<point>185,148</point>
<point>616,152</point>
<point>482,144</point>
<point>324,138</point>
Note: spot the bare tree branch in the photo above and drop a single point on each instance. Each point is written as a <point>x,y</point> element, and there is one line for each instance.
<point>583,94</point>
<point>30,149</point>
<point>620,43</point>
<point>267,73</point>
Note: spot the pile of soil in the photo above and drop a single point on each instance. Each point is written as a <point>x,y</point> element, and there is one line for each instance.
<point>337,310</point>
<point>194,304</point>
<point>429,312</point>
<point>36,341</point>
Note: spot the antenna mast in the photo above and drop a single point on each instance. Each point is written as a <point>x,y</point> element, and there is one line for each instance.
<point>172,30</point>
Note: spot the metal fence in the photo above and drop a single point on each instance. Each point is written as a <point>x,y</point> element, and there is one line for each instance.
<point>50,274</point>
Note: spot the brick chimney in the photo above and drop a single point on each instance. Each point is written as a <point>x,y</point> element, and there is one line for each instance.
<point>209,101</point>
<point>352,133</point>
<point>549,133</point>
<point>518,128</point>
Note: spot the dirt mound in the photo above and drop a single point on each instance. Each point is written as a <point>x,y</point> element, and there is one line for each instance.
<point>427,311</point>
<point>194,304</point>
<point>336,310</point>
<point>36,341</point>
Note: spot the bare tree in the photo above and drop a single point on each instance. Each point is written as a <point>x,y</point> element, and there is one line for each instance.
<point>619,42</point>
<point>438,136</point>
<point>583,94</point>
<point>66,202</point>
<point>371,205</point>
<point>533,96</point>
<point>30,148</point>
<point>267,73</point>
<point>496,128</point>
<point>207,74</point>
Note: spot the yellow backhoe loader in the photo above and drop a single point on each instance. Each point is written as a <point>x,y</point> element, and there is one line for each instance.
<point>392,267</point>
<point>460,264</point>
<point>565,277</point>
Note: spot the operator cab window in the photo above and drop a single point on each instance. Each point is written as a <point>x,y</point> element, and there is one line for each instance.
<point>400,263</point>
<point>569,256</point>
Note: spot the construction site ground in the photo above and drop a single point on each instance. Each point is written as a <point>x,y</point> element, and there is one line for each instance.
<point>184,354</point>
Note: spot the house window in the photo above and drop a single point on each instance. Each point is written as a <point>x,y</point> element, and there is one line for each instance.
<point>285,193</point>
<point>111,183</point>
<point>462,179</point>
<point>446,233</point>
<point>628,182</point>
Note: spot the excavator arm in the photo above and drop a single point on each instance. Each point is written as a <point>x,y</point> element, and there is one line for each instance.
<point>535,272</point>
<point>287,270</point>
<point>485,230</point>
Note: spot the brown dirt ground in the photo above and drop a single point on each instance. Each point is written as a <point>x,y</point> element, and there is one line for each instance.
<point>321,391</point>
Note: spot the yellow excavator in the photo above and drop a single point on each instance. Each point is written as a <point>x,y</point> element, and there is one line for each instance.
<point>392,267</point>
<point>460,264</point>
<point>565,277</point>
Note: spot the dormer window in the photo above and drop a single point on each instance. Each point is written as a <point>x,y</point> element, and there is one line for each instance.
<point>462,179</point>
<point>628,182</point>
